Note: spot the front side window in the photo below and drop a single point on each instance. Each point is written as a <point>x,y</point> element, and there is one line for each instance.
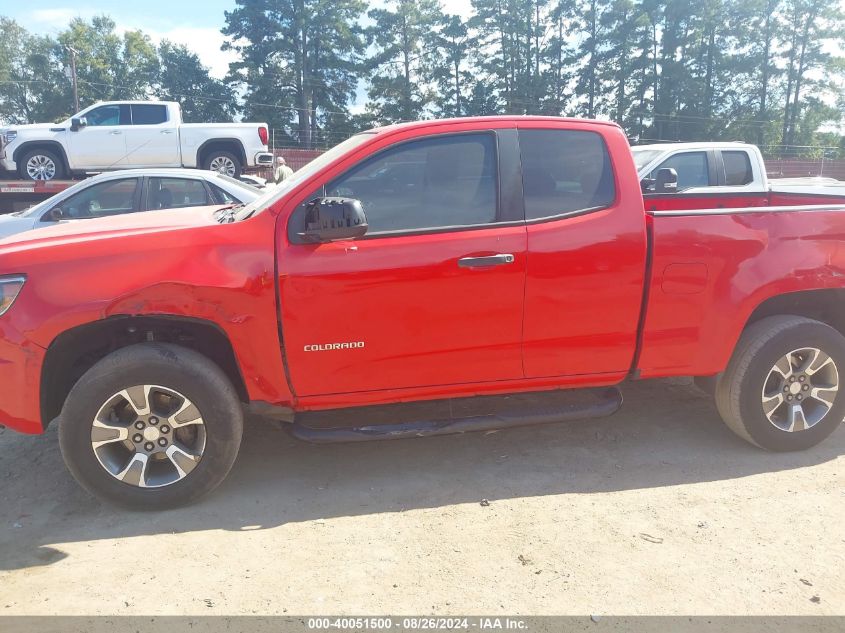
<point>148,114</point>
<point>108,115</point>
<point>691,167</point>
<point>737,168</point>
<point>107,198</point>
<point>431,183</point>
<point>564,171</point>
<point>173,193</point>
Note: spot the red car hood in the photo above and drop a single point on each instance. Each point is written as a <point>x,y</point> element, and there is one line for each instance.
<point>112,226</point>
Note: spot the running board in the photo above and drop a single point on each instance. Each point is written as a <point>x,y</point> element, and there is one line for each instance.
<point>598,403</point>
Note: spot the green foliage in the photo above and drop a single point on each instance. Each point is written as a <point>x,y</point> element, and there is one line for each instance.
<point>400,68</point>
<point>183,78</point>
<point>30,77</point>
<point>299,61</point>
<point>35,73</point>
<point>109,66</point>
<point>764,71</point>
<point>450,46</point>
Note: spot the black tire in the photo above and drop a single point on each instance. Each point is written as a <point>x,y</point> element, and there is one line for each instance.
<point>47,155</point>
<point>171,367</point>
<point>740,389</point>
<point>223,155</point>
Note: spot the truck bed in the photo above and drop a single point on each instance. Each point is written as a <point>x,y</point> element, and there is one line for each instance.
<point>711,268</point>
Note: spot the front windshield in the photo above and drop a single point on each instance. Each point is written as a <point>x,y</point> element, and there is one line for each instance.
<point>643,157</point>
<point>303,174</point>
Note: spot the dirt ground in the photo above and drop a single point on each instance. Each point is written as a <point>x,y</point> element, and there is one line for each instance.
<point>656,510</point>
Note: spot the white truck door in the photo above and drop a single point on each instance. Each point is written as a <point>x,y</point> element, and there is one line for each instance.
<point>101,143</point>
<point>153,138</point>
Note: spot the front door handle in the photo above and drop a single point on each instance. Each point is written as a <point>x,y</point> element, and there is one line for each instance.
<point>167,131</point>
<point>115,132</point>
<point>489,260</point>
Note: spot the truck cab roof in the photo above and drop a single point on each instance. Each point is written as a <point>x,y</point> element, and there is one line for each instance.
<point>493,119</point>
<point>692,146</point>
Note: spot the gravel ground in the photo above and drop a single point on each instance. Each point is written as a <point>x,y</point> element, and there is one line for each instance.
<point>656,510</point>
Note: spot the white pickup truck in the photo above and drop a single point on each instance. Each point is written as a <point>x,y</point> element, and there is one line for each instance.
<point>678,175</point>
<point>123,134</point>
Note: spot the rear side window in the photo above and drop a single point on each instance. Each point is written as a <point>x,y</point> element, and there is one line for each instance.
<point>737,168</point>
<point>691,167</point>
<point>564,171</point>
<point>148,114</point>
<point>172,193</point>
<point>427,184</point>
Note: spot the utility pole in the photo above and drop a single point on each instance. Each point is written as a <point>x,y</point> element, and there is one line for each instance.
<point>73,77</point>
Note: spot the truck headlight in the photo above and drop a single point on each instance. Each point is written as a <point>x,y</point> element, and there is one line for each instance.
<point>10,287</point>
<point>11,135</point>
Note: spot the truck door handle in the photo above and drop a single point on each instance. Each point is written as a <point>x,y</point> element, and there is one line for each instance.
<point>115,132</point>
<point>167,131</point>
<point>489,260</point>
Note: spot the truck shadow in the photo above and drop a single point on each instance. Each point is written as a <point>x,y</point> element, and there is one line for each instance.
<point>667,434</point>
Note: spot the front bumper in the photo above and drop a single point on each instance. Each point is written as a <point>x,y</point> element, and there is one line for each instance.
<point>264,159</point>
<point>20,377</point>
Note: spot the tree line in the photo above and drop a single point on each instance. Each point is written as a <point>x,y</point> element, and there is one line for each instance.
<point>763,71</point>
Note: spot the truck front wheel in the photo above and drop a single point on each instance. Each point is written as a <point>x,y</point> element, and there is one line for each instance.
<point>223,162</point>
<point>41,164</point>
<point>151,426</point>
<point>781,389</point>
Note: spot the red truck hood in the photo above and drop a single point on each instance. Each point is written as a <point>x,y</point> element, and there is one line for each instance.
<point>112,226</point>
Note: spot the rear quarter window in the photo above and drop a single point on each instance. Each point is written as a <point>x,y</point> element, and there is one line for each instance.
<point>564,171</point>
<point>737,168</point>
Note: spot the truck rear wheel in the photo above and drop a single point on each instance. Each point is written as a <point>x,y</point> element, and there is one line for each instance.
<point>41,164</point>
<point>781,389</point>
<point>223,162</point>
<point>151,426</point>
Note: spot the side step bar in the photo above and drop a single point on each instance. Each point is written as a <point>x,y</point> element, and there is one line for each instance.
<point>604,402</point>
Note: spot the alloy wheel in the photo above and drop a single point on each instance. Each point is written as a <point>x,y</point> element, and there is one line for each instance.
<point>223,165</point>
<point>800,389</point>
<point>148,436</point>
<point>41,167</point>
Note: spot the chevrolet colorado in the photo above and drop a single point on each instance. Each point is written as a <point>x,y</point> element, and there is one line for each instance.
<point>404,282</point>
<point>122,134</point>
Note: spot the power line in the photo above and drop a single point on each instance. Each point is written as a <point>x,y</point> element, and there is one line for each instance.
<point>184,96</point>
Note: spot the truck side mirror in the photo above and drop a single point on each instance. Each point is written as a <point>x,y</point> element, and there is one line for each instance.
<point>77,123</point>
<point>330,219</point>
<point>666,180</point>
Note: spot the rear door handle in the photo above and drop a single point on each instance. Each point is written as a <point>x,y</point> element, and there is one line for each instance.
<point>489,260</point>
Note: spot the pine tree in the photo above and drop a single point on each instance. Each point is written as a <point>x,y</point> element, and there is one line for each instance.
<point>183,78</point>
<point>299,60</point>
<point>401,75</point>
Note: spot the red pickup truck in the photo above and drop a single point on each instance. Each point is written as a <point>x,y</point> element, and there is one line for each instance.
<point>412,276</point>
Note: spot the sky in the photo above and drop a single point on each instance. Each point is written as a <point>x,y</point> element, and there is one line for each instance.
<point>195,24</point>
